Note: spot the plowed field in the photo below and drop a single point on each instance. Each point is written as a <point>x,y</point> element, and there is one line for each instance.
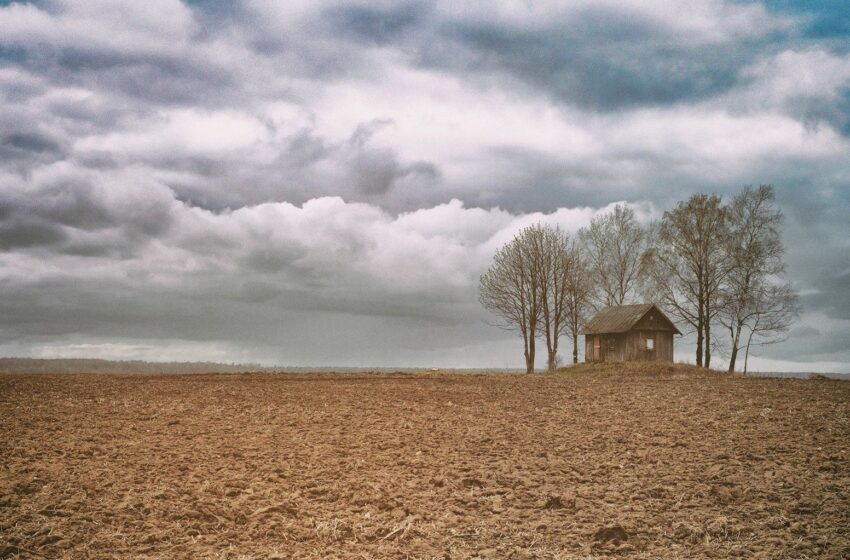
<point>674,464</point>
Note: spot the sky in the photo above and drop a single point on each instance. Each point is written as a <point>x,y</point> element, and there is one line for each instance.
<point>322,183</point>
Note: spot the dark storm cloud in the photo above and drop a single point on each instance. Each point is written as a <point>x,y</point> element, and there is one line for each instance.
<point>73,205</point>
<point>23,150</point>
<point>550,180</point>
<point>251,312</point>
<point>28,142</point>
<point>836,112</point>
<point>376,24</point>
<point>378,171</point>
<point>818,257</point>
<point>66,211</point>
<point>306,166</point>
<point>21,233</point>
<point>160,78</point>
<point>597,62</point>
<point>834,280</point>
<point>596,56</point>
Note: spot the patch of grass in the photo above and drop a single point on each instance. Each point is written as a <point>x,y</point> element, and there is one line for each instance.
<point>646,369</point>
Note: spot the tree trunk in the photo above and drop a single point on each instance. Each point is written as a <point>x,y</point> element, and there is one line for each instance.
<point>699,337</point>
<point>747,352</point>
<point>525,350</point>
<point>529,355</point>
<point>707,341</point>
<point>736,340</point>
<point>575,346</point>
<point>551,345</point>
<point>732,360</point>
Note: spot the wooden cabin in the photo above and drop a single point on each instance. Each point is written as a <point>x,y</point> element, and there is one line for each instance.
<point>629,332</point>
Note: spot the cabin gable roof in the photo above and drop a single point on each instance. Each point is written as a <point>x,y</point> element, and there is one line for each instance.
<point>622,318</point>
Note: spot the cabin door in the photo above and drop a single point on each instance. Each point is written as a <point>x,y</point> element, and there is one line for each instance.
<point>597,348</point>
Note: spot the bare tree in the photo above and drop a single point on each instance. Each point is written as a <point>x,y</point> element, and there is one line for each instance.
<point>616,244</point>
<point>567,290</point>
<point>756,252</point>
<point>579,293</point>
<point>538,285</point>
<point>511,288</point>
<point>549,247</point>
<point>689,264</point>
<point>775,308</point>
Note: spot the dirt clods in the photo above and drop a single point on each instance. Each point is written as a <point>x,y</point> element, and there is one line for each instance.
<point>605,463</point>
<point>614,534</point>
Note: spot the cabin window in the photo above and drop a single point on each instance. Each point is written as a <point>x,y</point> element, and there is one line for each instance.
<point>650,343</point>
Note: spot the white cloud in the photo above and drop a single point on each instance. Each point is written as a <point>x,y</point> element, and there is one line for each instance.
<point>108,25</point>
<point>339,244</point>
<point>182,132</point>
<point>439,117</point>
<point>719,138</point>
<point>796,75</point>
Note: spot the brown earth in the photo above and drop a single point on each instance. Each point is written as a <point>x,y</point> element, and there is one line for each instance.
<point>674,464</point>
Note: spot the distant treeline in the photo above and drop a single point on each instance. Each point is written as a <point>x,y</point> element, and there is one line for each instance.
<point>37,365</point>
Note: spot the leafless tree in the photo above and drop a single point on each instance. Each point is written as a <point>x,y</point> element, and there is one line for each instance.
<point>775,308</point>
<point>511,288</point>
<point>752,299</point>
<point>616,244</point>
<point>549,249</point>
<point>579,292</point>
<point>538,285</point>
<point>567,290</point>
<point>689,264</point>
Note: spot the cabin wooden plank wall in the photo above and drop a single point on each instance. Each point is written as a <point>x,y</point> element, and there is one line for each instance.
<point>662,345</point>
<point>652,322</point>
<point>629,332</point>
<point>631,345</point>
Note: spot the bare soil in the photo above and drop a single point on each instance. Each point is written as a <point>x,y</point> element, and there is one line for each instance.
<point>674,463</point>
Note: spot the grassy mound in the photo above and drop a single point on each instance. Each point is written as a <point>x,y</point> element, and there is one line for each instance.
<point>645,369</point>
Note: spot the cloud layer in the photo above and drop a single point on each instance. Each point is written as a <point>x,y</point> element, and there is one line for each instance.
<point>324,182</point>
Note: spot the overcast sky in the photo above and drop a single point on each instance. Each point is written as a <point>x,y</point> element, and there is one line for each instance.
<point>322,183</point>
